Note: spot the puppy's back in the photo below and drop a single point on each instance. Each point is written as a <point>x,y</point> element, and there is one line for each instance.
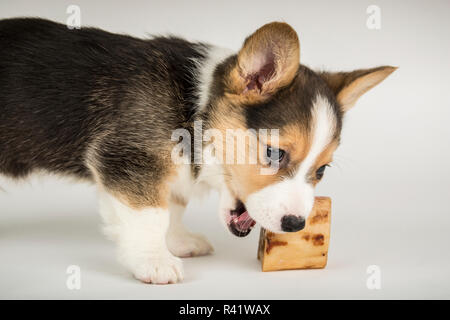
<point>61,89</point>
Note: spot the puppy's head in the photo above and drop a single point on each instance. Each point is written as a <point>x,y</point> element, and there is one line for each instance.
<point>265,87</point>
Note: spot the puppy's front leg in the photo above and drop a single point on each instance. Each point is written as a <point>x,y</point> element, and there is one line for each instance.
<point>180,241</point>
<point>141,239</point>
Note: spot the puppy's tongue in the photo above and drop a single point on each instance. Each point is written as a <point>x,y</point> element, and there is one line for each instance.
<point>239,221</point>
<point>243,222</point>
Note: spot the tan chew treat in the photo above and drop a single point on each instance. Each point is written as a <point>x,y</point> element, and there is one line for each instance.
<point>306,249</point>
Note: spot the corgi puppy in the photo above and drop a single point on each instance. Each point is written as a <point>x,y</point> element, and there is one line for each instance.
<point>104,107</point>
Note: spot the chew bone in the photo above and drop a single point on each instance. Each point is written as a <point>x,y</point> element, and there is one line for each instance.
<point>305,249</point>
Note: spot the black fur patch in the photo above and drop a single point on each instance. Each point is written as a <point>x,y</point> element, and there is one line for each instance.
<point>69,98</point>
<point>61,90</point>
<point>293,104</point>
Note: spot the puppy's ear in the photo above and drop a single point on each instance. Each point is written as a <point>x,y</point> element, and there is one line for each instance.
<point>268,60</point>
<point>349,86</point>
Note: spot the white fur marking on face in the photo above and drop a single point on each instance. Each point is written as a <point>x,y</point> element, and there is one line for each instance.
<point>322,131</point>
<point>323,128</point>
<point>295,196</point>
<point>215,55</point>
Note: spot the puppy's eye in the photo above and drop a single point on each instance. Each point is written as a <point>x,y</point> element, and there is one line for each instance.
<point>275,155</point>
<point>320,172</point>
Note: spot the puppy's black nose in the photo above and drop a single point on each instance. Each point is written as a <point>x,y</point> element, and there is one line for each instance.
<point>290,223</point>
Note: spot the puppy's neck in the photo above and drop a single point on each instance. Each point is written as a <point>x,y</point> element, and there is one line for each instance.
<point>209,172</point>
<point>214,56</point>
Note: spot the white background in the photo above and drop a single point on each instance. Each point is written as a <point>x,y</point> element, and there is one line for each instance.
<point>390,183</point>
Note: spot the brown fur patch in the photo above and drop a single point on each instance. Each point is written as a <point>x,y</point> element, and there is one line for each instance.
<point>152,196</point>
<point>242,178</point>
<point>325,157</point>
<point>296,141</point>
<point>179,200</point>
<point>146,189</point>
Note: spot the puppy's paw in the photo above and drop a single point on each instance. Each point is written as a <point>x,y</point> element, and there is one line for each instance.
<point>163,269</point>
<point>189,245</point>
